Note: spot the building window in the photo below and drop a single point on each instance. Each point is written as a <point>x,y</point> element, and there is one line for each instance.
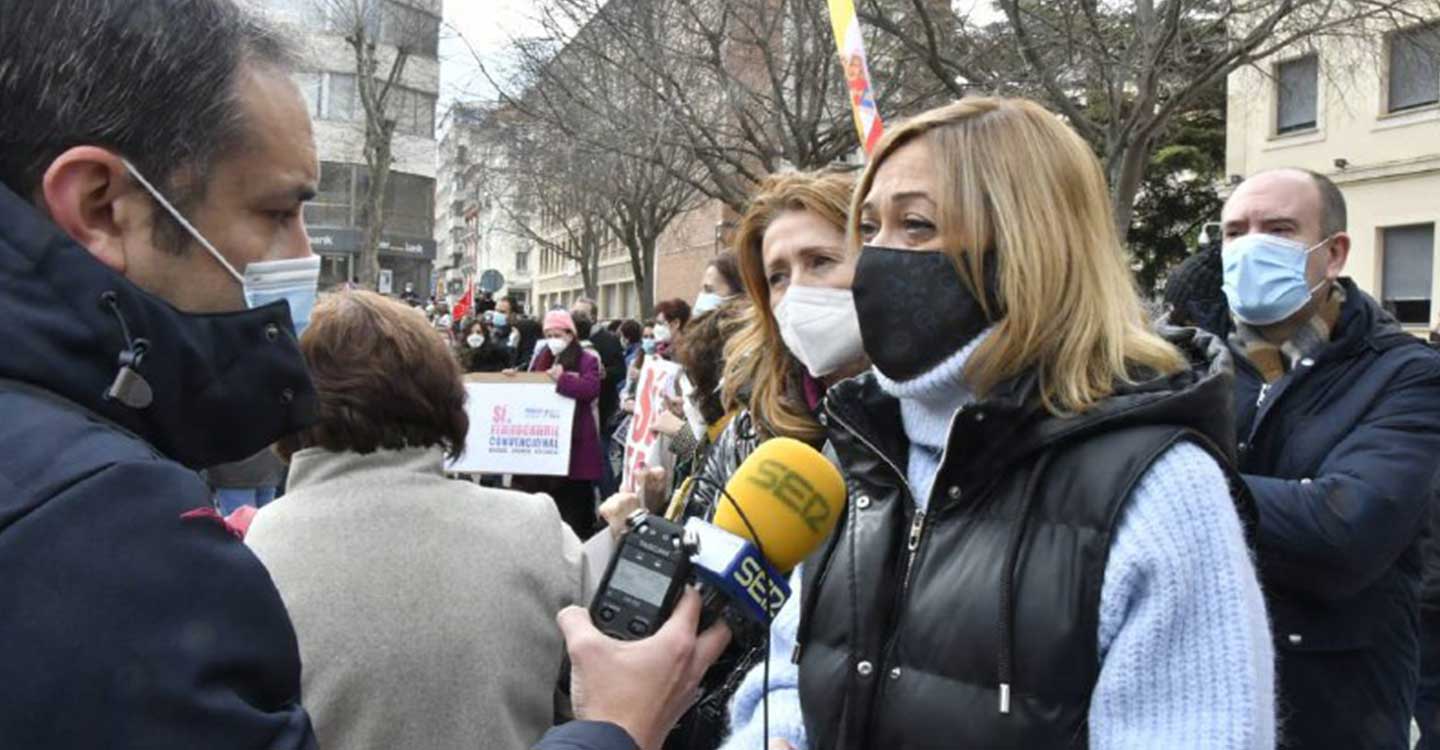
<point>522,261</point>
<point>409,205</point>
<point>1298,83</point>
<point>1414,68</point>
<point>335,197</point>
<point>309,84</point>
<point>414,111</point>
<point>1408,255</point>
<point>342,100</point>
<point>415,30</point>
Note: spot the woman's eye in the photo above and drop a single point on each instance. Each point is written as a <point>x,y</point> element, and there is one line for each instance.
<point>868,228</point>
<point>776,279</point>
<point>918,225</point>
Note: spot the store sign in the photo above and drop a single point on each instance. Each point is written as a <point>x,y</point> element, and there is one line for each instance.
<point>348,241</point>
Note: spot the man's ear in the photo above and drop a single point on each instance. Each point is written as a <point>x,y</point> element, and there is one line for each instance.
<point>91,197</point>
<point>1336,256</point>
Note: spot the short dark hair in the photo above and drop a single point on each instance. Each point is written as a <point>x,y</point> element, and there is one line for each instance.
<point>588,303</point>
<point>384,377</point>
<point>584,326</point>
<point>1334,217</point>
<point>153,80</point>
<point>676,311</point>
<point>726,265</point>
<point>631,331</point>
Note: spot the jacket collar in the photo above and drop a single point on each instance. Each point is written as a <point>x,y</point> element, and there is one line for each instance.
<point>317,466</point>
<point>224,385</point>
<point>1012,424</point>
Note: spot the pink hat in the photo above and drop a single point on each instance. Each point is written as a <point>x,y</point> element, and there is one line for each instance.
<point>559,319</point>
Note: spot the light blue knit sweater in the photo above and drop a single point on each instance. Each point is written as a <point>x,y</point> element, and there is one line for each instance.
<point>1186,656</point>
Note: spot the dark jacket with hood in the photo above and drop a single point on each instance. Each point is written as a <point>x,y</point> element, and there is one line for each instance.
<point>973,623</point>
<point>127,621</point>
<point>1340,455</point>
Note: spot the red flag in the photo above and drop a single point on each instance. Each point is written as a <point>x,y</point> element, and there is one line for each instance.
<point>466,303</point>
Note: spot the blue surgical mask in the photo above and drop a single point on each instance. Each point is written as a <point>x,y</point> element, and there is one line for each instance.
<point>1265,277</point>
<point>648,345</point>
<point>499,320</point>
<point>296,281</point>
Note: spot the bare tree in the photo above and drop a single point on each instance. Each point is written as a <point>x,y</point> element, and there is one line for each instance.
<point>1118,72</point>
<point>594,155</point>
<point>552,201</point>
<point>745,87</point>
<point>384,35</point>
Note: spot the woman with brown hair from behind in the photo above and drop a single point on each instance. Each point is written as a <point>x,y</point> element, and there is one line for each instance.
<point>424,606</point>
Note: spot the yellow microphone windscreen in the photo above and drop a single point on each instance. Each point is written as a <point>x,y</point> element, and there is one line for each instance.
<point>792,496</point>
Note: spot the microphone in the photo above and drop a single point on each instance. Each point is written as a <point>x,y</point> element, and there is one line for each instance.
<point>776,509</point>
<point>779,506</point>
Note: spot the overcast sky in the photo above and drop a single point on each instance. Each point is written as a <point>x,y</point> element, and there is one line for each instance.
<point>488,26</point>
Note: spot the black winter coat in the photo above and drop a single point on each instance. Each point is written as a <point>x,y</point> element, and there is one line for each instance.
<point>125,619</point>
<point>1340,455</point>
<point>972,624</point>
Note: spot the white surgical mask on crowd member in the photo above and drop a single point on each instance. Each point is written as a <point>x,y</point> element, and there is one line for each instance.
<point>692,412</point>
<point>557,344</point>
<point>475,340</point>
<point>662,332</point>
<point>706,302</point>
<point>294,280</point>
<point>819,326</point>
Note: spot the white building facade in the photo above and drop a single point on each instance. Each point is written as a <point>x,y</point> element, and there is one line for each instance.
<point>1364,110</point>
<point>473,234</point>
<point>336,219</point>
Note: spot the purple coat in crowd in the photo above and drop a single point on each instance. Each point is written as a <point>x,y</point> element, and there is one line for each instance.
<point>583,385</point>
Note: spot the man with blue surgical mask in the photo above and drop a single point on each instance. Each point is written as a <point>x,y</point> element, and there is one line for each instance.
<point>154,266</point>
<point>1338,416</point>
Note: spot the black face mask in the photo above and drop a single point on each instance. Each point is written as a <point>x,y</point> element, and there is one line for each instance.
<point>915,310</point>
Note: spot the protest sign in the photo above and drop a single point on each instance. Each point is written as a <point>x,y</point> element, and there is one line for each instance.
<point>518,425</point>
<point>644,448</point>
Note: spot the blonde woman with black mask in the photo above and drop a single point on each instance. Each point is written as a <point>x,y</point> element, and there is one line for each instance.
<point>1040,548</point>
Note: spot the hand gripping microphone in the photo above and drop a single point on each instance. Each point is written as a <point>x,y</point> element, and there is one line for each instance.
<point>777,508</point>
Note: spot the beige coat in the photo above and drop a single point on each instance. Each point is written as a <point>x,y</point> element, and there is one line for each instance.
<point>425,606</point>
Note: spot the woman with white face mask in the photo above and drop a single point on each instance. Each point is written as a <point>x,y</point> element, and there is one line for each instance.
<point>798,337</point>
<point>578,375</point>
<point>671,317</point>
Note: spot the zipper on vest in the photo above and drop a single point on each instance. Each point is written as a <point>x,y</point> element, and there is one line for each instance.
<point>1264,389</point>
<point>912,546</point>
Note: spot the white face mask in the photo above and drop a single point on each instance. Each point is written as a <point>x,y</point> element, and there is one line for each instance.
<point>557,344</point>
<point>692,412</point>
<point>662,332</point>
<point>819,326</point>
<point>294,280</point>
<point>706,302</point>
<point>475,340</point>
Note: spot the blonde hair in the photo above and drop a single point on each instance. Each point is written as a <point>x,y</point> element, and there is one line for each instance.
<point>1013,179</point>
<point>756,357</point>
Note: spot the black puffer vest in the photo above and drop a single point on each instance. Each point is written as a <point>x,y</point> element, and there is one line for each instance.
<point>973,625</point>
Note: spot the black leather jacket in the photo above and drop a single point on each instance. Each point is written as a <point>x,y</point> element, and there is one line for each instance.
<point>973,624</point>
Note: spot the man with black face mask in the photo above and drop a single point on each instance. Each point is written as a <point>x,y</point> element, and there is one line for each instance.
<point>154,157</point>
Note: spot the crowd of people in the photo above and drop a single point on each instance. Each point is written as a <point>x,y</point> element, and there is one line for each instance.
<point>226,519</point>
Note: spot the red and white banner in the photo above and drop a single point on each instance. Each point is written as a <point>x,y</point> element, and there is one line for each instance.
<point>643,447</point>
